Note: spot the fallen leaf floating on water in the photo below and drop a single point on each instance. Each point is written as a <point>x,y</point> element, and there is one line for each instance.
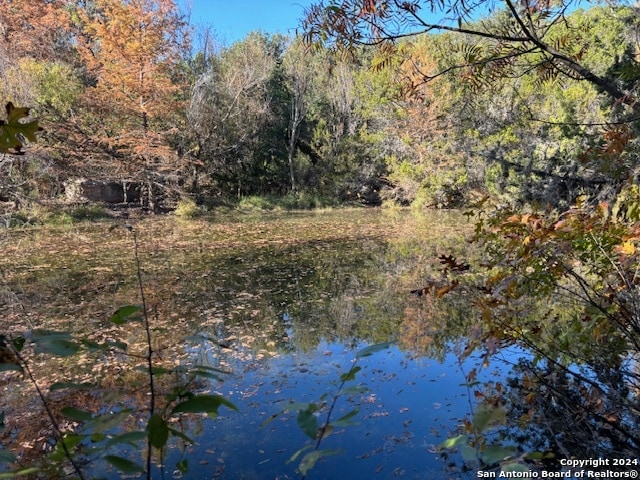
<point>424,290</point>
<point>444,290</point>
<point>440,289</point>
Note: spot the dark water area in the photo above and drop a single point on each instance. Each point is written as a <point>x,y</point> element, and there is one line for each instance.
<point>283,303</point>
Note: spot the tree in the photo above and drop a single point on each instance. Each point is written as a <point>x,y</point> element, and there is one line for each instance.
<point>231,109</point>
<point>32,34</point>
<point>36,29</point>
<point>298,74</point>
<point>432,170</point>
<point>517,39</point>
<point>343,144</point>
<point>132,50</point>
<point>523,126</point>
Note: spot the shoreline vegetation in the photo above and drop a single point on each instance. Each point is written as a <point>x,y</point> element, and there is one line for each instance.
<point>269,122</point>
<point>66,213</point>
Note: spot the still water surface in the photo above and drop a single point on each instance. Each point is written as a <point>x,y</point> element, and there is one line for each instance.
<point>283,302</point>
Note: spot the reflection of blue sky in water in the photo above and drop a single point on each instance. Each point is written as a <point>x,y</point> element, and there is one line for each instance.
<point>413,405</point>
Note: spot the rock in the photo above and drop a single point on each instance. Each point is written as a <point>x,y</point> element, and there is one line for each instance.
<point>82,190</point>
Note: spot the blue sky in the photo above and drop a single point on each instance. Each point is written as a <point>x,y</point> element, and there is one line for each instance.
<point>231,20</point>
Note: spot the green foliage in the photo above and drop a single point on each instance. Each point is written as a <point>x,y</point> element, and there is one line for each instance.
<point>60,344</point>
<point>187,208</point>
<point>157,431</point>
<point>208,404</point>
<point>308,422</point>
<point>436,119</point>
<point>15,131</point>
<point>124,465</point>
<point>35,214</point>
<point>308,414</point>
<point>123,314</point>
<point>475,446</point>
<point>255,203</point>
<point>370,350</point>
<point>310,459</point>
<point>293,201</point>
<point>562,285</point>
<point>88,213</point>
<point>57,87</point>
<point>108,431</point>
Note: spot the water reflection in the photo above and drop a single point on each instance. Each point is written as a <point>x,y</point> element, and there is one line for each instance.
<point>282,303</point>
<point>286,320</point>
<point>412,405</point>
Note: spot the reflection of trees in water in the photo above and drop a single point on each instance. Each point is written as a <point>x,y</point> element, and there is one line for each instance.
<point>432,328</point>
<point>580,391</point>
<point>573,392</point>
<point>219,308</point>
<point>583,415</point>
<point>299,296</point>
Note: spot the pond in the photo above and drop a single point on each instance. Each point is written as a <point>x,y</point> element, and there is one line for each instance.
<point>277,306</point>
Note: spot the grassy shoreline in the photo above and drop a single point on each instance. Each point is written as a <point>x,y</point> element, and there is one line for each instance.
<point>62,213</point>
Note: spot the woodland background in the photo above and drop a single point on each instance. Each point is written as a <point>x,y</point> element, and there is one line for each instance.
<point>130,91</point>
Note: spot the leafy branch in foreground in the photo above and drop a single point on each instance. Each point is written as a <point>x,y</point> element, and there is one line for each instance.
<point>14,132</point>
<point>563,286</point>
<point>522,38</point>
<point>82,433</point>
<point>180,400</point>
<point>479,440</point>
<point>308,420</point>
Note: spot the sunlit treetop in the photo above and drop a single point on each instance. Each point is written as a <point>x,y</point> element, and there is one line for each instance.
<point>515,36</point>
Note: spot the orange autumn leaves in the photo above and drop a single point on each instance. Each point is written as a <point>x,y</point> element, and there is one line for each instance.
<point>44,22</point>
<point>132,49</point>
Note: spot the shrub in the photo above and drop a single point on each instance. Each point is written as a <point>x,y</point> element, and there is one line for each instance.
<point>255,202</point>
<point>89,212</point>
<point>187,208</point>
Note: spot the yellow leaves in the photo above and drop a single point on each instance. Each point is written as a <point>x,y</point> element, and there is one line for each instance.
<point>626,248</point>
<point>130,47</point>
<point>524,219</point>
<point>513,219</point>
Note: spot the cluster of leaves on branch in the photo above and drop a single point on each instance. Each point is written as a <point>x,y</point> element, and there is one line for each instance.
<point>14,132</point>
<point>563,286</point>
<point>80,431</point>
<point>516,38</point>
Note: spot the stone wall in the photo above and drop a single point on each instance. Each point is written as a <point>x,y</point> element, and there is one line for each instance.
<point>83,190</point>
